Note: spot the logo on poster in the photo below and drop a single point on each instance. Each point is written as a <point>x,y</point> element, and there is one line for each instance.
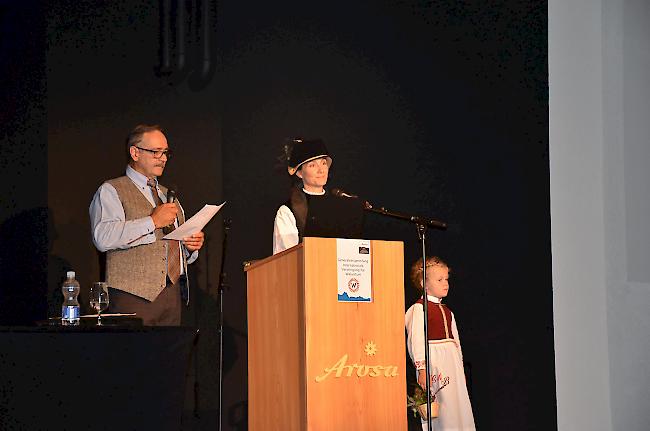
<point>353,285</point>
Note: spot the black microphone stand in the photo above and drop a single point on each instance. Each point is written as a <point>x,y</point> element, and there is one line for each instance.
<point>421,224</point>
<point>425,306</point>
<point>222,287</point>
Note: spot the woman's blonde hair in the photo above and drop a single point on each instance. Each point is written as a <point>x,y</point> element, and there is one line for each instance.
<point>416,273</point>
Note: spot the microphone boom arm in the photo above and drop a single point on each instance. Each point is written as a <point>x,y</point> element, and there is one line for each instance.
<point>420,221</point>
<point>410,218</point>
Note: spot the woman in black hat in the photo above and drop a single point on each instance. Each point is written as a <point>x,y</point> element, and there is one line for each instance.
<point>309,162</point>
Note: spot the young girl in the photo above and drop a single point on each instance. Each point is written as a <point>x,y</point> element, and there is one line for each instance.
<point>445,355</point>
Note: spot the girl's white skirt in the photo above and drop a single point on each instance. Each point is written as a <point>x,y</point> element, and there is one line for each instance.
<point>455,412</point>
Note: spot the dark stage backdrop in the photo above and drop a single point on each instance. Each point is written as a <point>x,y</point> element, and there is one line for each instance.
<point>434,108</point>
<point>81,75</point>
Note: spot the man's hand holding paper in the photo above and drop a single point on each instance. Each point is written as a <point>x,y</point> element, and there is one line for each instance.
<point>190,231</point>
<point>194,242</point>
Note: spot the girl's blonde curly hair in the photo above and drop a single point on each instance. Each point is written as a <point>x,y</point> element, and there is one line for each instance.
<point>416,273</point>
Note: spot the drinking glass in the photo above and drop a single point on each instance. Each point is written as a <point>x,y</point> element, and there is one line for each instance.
<point>99,299</point>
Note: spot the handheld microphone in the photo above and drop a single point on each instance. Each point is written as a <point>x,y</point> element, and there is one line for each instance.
<point>171,198</point>
<point>171,195</point>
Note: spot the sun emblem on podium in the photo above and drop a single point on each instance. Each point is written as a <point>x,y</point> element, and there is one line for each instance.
<point>370,349</point>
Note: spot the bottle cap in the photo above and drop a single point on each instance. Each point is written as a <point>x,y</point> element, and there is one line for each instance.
<point>70,274</point>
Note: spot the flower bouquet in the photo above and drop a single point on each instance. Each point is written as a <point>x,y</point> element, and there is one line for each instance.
<point>418,402</point>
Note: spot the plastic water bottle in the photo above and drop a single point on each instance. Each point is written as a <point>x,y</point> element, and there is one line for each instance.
<point>70,309</point>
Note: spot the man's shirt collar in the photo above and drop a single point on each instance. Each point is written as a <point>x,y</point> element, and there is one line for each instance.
<point>139,179</point>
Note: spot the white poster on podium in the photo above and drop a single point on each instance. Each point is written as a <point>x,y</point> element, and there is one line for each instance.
<point>353,257</point>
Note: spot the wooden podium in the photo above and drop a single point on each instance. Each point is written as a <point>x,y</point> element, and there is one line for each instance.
<point>317,364</point>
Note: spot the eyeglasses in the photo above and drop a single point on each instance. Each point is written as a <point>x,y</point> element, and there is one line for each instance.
<point>157,154</point>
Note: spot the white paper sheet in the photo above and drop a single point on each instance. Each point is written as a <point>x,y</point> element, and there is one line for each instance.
<point>196,223</point>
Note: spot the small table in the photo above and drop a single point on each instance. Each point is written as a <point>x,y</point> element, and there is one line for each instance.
<point>112,377</point>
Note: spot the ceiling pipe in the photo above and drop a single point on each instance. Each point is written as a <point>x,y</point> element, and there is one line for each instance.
<point>164,67</point>
<point>204,67</point>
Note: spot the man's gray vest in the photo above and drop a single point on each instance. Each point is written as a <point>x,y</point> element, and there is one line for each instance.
<point>139,270</point>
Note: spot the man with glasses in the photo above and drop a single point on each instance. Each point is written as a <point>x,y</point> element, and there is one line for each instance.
<point>147,275</point>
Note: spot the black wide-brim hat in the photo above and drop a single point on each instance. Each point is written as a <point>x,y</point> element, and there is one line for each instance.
<point>304,151</point>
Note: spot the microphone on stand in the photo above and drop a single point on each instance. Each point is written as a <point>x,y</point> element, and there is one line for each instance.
<point>342,194</point>
<point>383,211</point>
